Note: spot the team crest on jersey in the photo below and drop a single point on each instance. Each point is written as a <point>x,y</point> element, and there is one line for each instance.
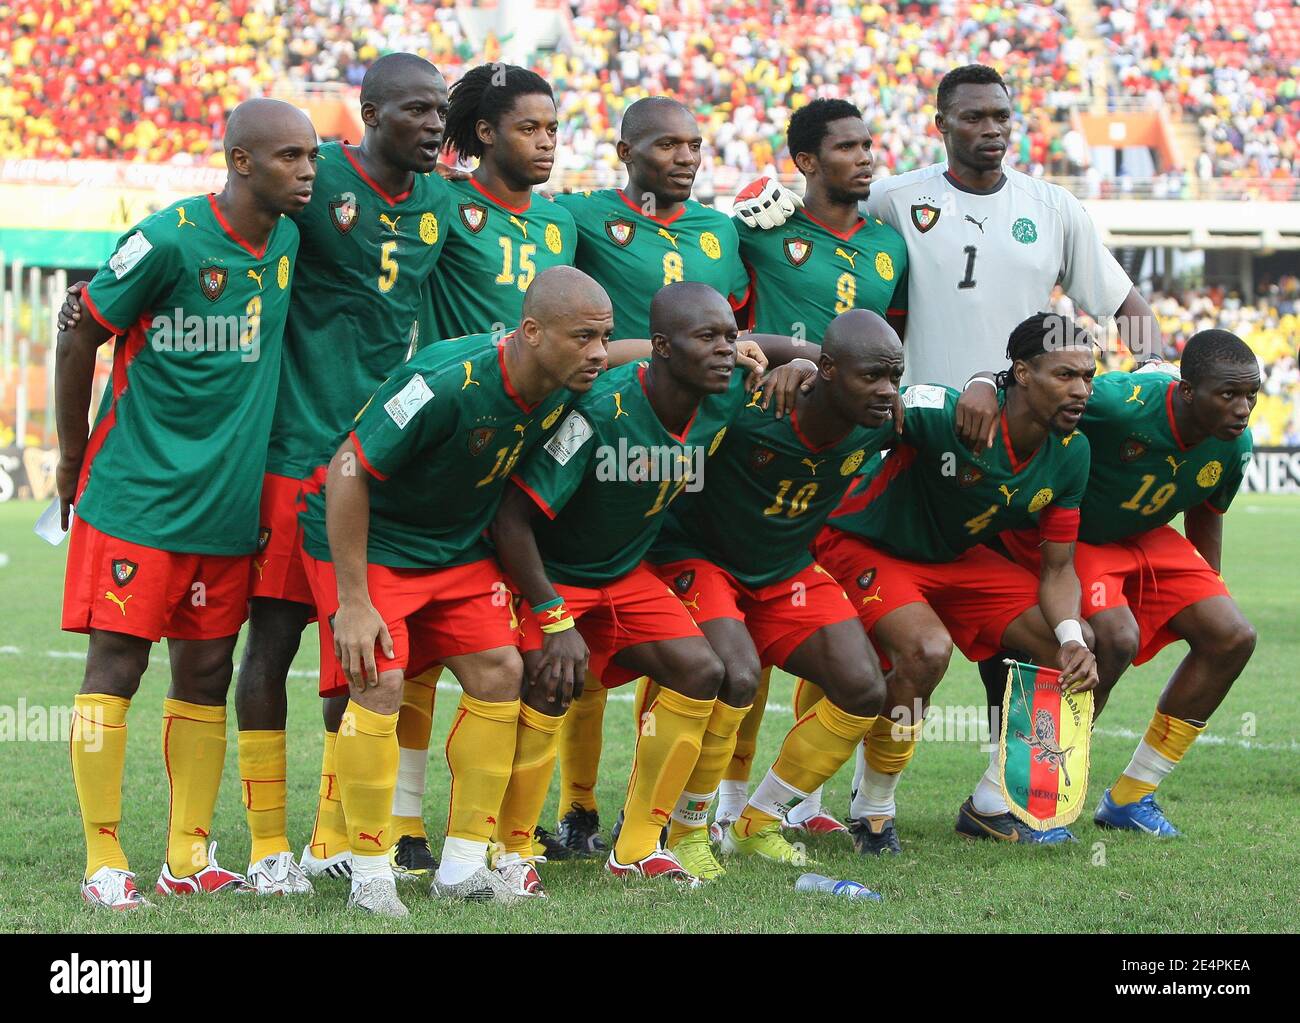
<point>124,571</point>
<point>620,231</point>
<point>710,244</point>
<point>428,229</point>
<point>473,216</point>
<point>853,462</point>
<point>263,538</point>
<point>866,579</point>
<point>553,240</point>
<point>969,475</point>
<point>282,273</point>
<point>761,458</point>
<point>797,250</point>
<point>924,216</point>
<point>1132,450</point>
<point>884,266</point>
<point>1041,500</point>
<point>479,439</point>
<point>683,583</point>
<point>343,213</point>
<point>552,416</point>
<point>212,282</point>
<point>1024,231</point>
<point>1210,474</point>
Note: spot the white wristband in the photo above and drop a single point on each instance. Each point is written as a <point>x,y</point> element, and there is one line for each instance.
<point>1070,631</point>
<point>980,380</point>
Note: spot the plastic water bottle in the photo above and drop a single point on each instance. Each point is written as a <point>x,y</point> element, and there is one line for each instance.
<point>844,889</point>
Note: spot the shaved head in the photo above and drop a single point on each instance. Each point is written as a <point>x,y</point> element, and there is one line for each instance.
<point>679,308</point>
<point>858,336</point>
<point>259,125</point>
<point>654,115</point>
<point>563,291</point>
<point>860,368</point>
<point>394,74</point>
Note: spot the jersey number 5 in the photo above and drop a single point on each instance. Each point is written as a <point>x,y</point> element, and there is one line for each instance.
<point>387,266</point>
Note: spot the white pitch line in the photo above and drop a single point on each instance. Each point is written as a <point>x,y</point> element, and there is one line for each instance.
<point>1206,739</point>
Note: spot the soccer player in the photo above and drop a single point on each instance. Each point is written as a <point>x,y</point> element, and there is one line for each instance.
<point>1161,446</point>
<point>403,580</point>
<point>907,545</point>
<point>736,554</point>
<point>572,537</point>
<point>635,240</point>
<point>165,485</point>
<point>826,259</point>
<point>986,244</point>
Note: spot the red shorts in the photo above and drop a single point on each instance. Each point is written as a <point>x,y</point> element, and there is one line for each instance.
<point>432,614</point>
<point>275,570</point>
<point>638,608</point>
<point>779,616</point>
<point>119,586</point>
<point>1156,574</point>
<point>976,597</point>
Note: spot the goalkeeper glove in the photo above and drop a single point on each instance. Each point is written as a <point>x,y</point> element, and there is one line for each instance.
<point>765,204</point>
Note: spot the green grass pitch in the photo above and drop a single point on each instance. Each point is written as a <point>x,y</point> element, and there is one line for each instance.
<point>1234,798</point>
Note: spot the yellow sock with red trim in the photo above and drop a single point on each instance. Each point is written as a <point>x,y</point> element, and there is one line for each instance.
<point>667,750</point>
<point>580,743</point>
<point>365,757</point>
<point>480,752</point>
<point>1166,742</point>
<point>536,742</point>
<point>329,835</point>
<point>806,696</point>
<point>414,727</point>
<point>815,748</point>
<point>742,758</point>
<point>98,744</point>
<point>716,745</point>
<point>262,774</point>
<point>194,753</point>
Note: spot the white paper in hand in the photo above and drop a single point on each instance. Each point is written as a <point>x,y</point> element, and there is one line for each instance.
<point>49,527</point>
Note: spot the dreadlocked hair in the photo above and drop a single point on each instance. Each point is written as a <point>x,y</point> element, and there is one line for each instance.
<point>486,93</point>
<point>1038,335</point>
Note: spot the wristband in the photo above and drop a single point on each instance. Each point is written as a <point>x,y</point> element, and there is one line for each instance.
<point>980,380</point>
<point>1070,631</point>
<point>564,625</point>
<point>554,615</point>
<point>546,605</point>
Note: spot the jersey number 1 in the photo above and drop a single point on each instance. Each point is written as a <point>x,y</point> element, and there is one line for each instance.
<point>969,280</point>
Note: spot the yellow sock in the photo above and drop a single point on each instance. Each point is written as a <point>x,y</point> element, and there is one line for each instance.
<point>580,743</point>
<point>884,752</point>
<point>480,750</point>
<point>329,835</point>
<point>194,752</point>
<point>716,746</point>
<point>742,758</point>
<point>262,774</point>
<point>414,726</point>
<point>1166,743</point>
<point>98,757</point>
<point>365,757</point>
<point>667,750</point>
<point>815,748</point>
<point>537,739</point>
<point>806,696</point>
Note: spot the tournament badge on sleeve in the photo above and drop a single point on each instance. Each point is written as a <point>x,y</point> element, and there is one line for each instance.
<point>1044,747</point>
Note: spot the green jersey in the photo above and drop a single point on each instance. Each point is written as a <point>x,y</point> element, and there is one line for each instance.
<point>931,499</point>
<point>1142,474</point>
<point>806,274</point>
<point>365,255</point>
<point>632,255</point>
<point>493,253</point>
<point>610,471</point>
<point>439,440</point>
<point>769,492</point>
<point>176,455</point>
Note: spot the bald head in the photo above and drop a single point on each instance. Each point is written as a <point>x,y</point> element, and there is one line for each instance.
<point>655,115</point>
<point>683,307</point>
<point>259,126</point>
<point>394,75</point>
<point>564,291</point>
<point>860,336</point>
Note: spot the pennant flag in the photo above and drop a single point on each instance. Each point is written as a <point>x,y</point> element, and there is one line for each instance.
<point>1044,746</point>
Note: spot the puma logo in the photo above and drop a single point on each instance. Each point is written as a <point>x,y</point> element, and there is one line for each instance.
<point>372,838</point>
<point>753,402</point>
<point>693,603</point>
<point>390,224</point>
<point>256,275</point>
<point>1175,465</point>
<point>199,832</point>
<point>520,224</point>
<point>110,832</point>
<point>119,601</point>
<point>812,466</point>
<point>1137,389</point>
<point>850,256</point>
<point>1008,494</point>
<point>978,223</point>
<point>618,404</point>
<point>656,812</point>
<point>672,238</point>
<point>183,221</point>
<point>259,565</point>
<point>469,375</point>
<point>873,596</point>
